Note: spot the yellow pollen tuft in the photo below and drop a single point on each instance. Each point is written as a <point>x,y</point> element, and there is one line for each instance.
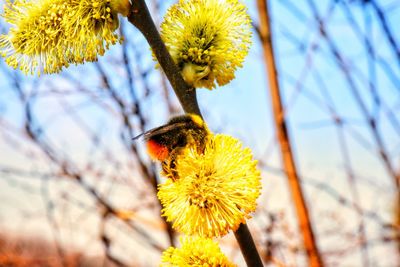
<point>48,35</point>
<point>217,191</point>
<point>212,35</point>
<point>195,251</point>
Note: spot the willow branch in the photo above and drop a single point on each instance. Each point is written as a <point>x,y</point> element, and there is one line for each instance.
<point>247,246</point>
<point>141,19</point>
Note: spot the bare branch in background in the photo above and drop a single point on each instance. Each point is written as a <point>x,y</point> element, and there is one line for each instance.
<point>303,217</point>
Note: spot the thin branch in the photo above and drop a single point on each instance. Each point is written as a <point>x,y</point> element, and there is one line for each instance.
<point>303,217</point>
<point>139,112</point>
<point>372,123</point>
<point>385,26</point>
<point>140,17</point>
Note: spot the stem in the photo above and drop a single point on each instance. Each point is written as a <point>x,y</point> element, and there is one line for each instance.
<point>303,216</point>
<point>247,246</point>
<point>140,17</point>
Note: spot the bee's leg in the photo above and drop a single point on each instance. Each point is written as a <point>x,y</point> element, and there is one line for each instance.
<point>174,173</point>
<point>165,168</point>
<point>168,167</point>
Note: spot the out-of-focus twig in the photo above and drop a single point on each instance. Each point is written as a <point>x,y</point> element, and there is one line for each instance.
<point>299,202</point>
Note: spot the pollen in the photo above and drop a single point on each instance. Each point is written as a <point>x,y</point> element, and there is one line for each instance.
<point>217,190</point>
<point>208,39</point>
<point>37,37</point>
<point>47,35</point>
<point>93,24</point>
<point>195,251</point>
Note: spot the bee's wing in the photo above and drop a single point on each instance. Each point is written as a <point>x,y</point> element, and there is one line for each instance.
<point>160,130</point>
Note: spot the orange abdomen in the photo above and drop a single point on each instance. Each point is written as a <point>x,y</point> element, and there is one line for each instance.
<point>157,151</point>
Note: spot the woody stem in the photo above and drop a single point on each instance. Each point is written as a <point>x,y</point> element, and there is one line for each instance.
<point>140,17</point>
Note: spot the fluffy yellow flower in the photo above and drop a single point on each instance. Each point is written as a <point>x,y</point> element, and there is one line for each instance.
<point>48,35</point>
<point>216,190</point>
<point>37,37</point>
<point>208,39</point>
<point>93,24</point>
<point>195,251</point>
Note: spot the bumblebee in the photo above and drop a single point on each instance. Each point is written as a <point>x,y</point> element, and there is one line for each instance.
<point>166,142</point>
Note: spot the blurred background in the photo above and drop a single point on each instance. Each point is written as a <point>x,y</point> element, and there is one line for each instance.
<point>76,191</point>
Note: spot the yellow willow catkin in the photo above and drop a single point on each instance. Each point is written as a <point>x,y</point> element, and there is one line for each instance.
<point>195,251</point>
<point>208,39</point>
<point>47,35</point>
<point>216,191</point>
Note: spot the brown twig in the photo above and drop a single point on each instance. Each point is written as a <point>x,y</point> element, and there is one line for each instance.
<point>372,123</point>
<point>140,17</point>
<point>284,140</point>
<point>247,246</point>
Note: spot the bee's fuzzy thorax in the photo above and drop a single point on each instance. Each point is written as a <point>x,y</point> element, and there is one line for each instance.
<point>197,120</point>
